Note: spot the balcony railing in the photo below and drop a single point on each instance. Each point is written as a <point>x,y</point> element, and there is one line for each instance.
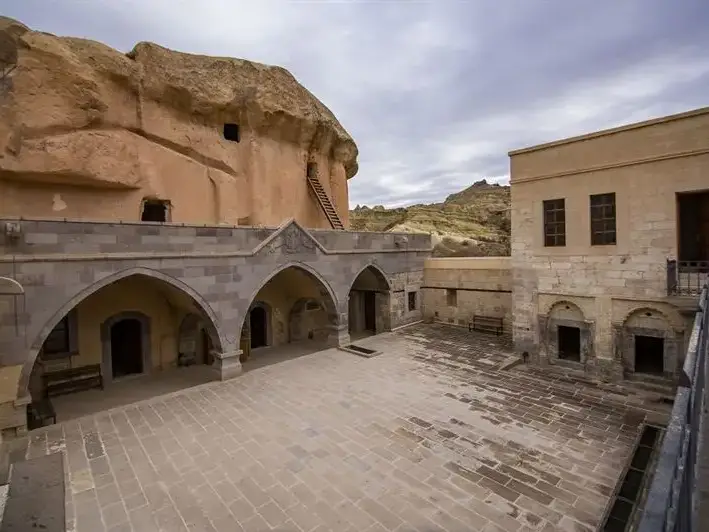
<point>686,278</point>
<point>672,500</point>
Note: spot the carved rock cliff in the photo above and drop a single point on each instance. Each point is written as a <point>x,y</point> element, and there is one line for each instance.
<point>77,112</point>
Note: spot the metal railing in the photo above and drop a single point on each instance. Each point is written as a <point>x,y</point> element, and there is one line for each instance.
<point>672,500</point>
<point>686,277</point>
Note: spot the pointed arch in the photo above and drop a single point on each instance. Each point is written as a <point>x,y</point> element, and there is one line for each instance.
<point>378,273</point>
<point>34,349</point>
<point>328,297</point>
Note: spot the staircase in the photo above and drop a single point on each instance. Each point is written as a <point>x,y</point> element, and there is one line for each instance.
<point>325,203</point>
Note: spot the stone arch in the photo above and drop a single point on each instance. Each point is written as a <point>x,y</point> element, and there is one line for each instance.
<point>369,301</point>
<point>145,332</point>
<point>212,323</point>
<point>649,324</point>
<point>649,316</point>
<point>328,297</point>
<point>575,346</point>
<point>378,274</point>
<point>564,309</point>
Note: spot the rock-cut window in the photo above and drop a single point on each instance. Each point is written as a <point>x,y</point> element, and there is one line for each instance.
<point>154,210</point>
<point>232,133</point>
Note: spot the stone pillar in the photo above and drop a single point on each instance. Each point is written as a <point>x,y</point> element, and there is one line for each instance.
<point>338,335</point>
<point>608,365</point>
<point>525,327</point>
<point>227,365</point>
<point>383,312</point>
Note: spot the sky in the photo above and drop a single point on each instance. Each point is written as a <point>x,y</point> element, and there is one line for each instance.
<point>436,92</point>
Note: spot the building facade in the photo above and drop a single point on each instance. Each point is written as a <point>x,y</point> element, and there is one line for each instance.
<point>135,297</point>
<point>160,209</point>
<point>610,245</point>
<point>457,289</point>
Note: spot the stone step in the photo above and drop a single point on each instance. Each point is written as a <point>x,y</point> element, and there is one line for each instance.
<point>652,384</point>
<point>36,496</point>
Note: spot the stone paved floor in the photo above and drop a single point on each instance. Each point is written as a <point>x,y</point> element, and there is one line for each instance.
<point>428,436</point>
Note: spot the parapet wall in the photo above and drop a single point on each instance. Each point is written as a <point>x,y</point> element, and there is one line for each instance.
<point>75,238</point>
<point>456,289</point>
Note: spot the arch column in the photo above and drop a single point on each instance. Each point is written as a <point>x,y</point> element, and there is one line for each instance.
<point>226,365</point>
<point>339,334</point>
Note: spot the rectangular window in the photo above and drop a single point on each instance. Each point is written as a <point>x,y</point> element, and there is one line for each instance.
<point>57,341</point>
<point>554,222</point>
<point>451,297</point>
<point>412,301</point>
<point>603,219</point>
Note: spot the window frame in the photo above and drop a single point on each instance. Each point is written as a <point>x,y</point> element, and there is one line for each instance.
<point>65,344</point>
<point>603,222</point>
<point>412,298</point>
<point>554,222</point>
<point>451,297</point>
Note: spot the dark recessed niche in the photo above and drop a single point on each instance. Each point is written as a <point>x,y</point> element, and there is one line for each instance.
<point>232,133</point>
<point>154,210</point>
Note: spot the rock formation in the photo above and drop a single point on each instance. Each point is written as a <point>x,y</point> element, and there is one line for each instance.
<point>89,132</point>
<point>472,223</point>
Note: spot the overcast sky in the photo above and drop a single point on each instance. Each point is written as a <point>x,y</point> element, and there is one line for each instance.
<point>435,93</point>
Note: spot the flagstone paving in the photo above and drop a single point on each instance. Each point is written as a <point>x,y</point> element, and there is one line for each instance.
<point>428,436</point>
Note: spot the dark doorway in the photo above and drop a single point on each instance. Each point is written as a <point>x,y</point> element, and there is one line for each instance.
<point>126,347</point>
<point>569,342</point>
<point>370,311</point>
<point>257,323</point>
<point>154,211</point>
<point>693,214</point>
<point>649,355</point>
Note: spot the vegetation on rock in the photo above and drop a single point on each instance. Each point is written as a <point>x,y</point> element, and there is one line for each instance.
<point>472,223</point>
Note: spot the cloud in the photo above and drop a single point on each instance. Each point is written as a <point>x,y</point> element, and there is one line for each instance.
<point>434,92</point>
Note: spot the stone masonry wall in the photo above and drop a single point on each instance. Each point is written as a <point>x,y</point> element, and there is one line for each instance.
<point>61,263</point>
<point>645,167</point>
<point>482,285</point>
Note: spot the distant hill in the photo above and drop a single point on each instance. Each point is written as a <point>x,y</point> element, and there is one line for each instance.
<point>472,223</point>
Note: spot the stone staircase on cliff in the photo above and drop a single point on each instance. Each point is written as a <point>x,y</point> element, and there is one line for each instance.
<point>324,201</point>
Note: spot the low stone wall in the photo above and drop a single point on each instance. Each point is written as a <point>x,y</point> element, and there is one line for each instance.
<point>42,237</point>
<point>456,289</point>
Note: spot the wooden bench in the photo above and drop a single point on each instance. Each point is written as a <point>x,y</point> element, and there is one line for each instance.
<point>39,412</point>
<point>72,380</point>
<point>487,324</point>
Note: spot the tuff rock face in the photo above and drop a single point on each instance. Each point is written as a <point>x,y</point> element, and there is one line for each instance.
<point>89,132</point>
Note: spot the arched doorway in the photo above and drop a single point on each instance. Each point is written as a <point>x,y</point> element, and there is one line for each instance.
<point>125,324</point>
<point>126,341</point>
<point>293,313</point>
<point>258,323</point>
<point>369,303</point>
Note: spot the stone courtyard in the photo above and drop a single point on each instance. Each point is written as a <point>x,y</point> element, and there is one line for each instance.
<point>430,435</point>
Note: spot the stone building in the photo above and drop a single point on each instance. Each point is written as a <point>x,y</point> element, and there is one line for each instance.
<point>610,245</point>
<point>160,208</point>
<point>610,248</point>
<point>456,289</point>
